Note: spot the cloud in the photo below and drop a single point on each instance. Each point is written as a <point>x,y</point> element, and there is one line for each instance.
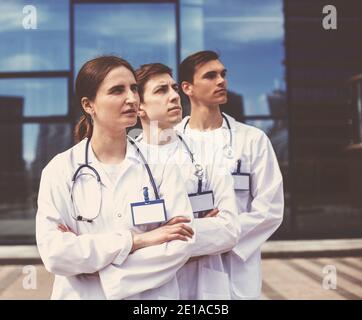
<point>255,23</point>
<point>131,25</point>
<point>24,61</point>
<point>252,32</point>
<point>11,16</point>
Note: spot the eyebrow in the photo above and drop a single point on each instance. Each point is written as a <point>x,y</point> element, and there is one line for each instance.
<point>121,87</point>
<point>214,72</point>
<point>165,85</point>
<point>118,86</point>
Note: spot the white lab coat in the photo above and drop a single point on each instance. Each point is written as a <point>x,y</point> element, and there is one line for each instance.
<point>106,242</point>
<point>260,210</point>
<point>212,235</point>
<point>204,278</point>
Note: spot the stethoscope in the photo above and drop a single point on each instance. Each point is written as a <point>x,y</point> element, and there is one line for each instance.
<point>199,171</point>
<point>227,149</point>
<point>78,174</point>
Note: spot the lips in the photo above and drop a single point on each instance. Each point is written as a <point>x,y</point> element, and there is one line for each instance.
<point>221,91</point>
<point>174,108</point>
<point>129,111</point>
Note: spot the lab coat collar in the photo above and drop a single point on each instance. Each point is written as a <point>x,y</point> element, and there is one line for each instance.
<point>79,153</point>
<point>178,143</point>
<point>224,125</point>
<point>232,122</point>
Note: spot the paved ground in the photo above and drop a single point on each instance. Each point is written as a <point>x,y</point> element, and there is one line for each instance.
<point>282,279</point>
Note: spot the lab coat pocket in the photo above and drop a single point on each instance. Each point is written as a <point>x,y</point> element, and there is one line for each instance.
<point>213,285</point>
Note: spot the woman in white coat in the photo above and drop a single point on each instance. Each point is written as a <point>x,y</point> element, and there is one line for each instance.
<point>85,224</point>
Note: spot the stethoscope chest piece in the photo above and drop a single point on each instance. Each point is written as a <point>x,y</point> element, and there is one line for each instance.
<point>228,152</point>
<point>199,171</point>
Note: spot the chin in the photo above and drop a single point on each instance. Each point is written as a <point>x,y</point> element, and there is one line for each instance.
<point>175,120</point>
<point>223,100</point>
<point>130,123</point>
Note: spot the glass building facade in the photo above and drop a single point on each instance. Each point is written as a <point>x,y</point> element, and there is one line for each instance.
<point>287,76</point>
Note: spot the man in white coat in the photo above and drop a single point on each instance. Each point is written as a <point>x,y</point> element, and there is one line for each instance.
<point>248,155</point>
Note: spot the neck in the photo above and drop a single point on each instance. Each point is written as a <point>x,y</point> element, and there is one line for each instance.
<point>205,118</point>
<point>109,147</point>
<point>153,134</point>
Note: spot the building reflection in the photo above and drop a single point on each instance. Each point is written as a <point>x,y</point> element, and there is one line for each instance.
<point>354,150</point>
<point>234,106</point>
<point>279,133</point>
<point>53,138</point>
<point>12,166</point>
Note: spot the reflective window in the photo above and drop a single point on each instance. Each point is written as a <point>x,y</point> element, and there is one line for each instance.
<point>33,97</point>
<point>140,33</point>
<point>42,49</point>
<point>277,131</point>
<point>249,35</point>
<point>29,147</point>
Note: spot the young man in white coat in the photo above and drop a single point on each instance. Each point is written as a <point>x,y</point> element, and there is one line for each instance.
<point>211,194</point>
<point>248,155</point>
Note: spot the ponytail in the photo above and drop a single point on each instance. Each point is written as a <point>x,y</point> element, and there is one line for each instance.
<point>83,129</point>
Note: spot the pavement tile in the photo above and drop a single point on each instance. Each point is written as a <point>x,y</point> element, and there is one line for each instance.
<point>292,279</point>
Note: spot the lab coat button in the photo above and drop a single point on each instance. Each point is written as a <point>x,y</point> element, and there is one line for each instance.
<point>119,215</point>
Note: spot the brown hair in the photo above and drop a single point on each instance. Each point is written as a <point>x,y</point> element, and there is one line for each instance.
<point>188,66</point>
<point>146,71</point>
<point>88,81</point>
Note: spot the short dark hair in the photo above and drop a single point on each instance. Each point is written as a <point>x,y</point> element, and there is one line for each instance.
<point>146,71</point>
<point>188,65</point>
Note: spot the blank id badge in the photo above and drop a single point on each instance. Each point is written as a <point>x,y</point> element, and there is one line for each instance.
<point>148,212</point>
<point>241,181</point>
<point>203,201</point>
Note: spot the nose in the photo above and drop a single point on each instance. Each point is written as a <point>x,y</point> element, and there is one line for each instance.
<point>132,97</point>
<point>221,80</point>
<point>174,96</point>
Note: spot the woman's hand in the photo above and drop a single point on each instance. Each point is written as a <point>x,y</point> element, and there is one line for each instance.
<point>211,213</point>
<point>175,229</point>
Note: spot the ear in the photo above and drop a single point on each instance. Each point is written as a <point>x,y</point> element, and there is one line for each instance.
<point>187,88</point>
<point>87,106</point>
<point>141,112</point>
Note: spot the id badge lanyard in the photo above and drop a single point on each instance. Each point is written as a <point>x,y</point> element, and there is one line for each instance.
<point>202,200</point>
<point>241,179</point>
<point>147,211</point>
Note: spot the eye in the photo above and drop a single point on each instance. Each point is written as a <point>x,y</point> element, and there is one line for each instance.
<point>176,88</point>
<point>117,90</point>
<point>161,90</point>
<point>134,88</point>
<point>223,74</point>
<point>210,75</point>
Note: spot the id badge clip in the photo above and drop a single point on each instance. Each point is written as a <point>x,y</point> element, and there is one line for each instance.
<point>149,211</point>
<point>201,201</point>
<point>241,180</point>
